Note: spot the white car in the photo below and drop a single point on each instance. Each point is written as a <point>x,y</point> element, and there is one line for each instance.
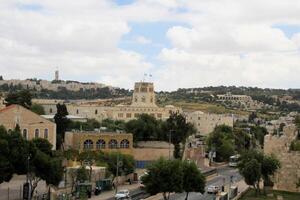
<point>122,194</point>
<point>212,189</point>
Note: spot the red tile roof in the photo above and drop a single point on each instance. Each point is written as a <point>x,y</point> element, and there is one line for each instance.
<point>8,107</point>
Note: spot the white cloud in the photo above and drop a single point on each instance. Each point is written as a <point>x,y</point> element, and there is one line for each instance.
<point>142,40</point>
<point>224,43</point>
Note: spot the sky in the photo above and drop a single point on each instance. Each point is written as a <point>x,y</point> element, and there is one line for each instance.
<point>181,43</point>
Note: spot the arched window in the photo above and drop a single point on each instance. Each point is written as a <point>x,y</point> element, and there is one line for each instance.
<point>100,144</point>
<point>88,145</point>
<point>124,144</point>
<point>113,144</point>
<point>77,111</point>
<point>46,133</point>
<point>36,133</point>
<point>96,112</point>
<point>25,133</point>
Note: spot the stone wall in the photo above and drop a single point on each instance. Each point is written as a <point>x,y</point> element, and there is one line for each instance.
<point>289,173</point>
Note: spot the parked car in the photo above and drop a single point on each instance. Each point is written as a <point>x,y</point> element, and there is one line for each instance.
<point>122,194</point>
<point>212,189</point>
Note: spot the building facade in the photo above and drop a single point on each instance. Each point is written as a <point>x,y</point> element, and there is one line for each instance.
<point>143,101</point>
<point>31,125</point>
<point>206,122</point>
<point>99,141</point>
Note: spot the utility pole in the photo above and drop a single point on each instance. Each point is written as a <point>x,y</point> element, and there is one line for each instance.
<point>27,185</point>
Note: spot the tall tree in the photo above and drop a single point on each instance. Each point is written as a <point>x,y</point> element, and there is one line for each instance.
<point>164,176</point>
<point>193,179</point>
<point>62,122</point>
<point>144,128</point>
<point>15,154</point>
<point>180,129</point>
<point>221,140</point>
<point>254,165</point>
<point>38,109</point>
<point>22,98</point>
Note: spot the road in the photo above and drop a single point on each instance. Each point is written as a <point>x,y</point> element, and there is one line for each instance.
<point>223,173</point>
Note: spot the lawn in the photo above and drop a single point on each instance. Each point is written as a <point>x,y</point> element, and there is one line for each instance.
<point>250,195</point>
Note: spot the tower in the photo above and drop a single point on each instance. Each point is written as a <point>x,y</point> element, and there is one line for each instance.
<point>56,75</point>
<point>143,95</point>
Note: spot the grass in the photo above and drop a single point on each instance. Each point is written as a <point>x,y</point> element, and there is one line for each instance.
<point>250,195</point>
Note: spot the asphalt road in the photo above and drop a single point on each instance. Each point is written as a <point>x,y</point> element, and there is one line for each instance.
<point>223,174</point>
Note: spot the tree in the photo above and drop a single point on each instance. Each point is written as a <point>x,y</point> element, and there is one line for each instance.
<point>269,166</point>
<point>193,179</point>
<point>180,129</point>
<point>254,165</point>
<point>15,151</point>
<point>62,122</point>
<point>297,121</point>
<point>38,109</point>
<point>252,173</point>
<point>252,116</point>
<point>82,175</point>
<point>144,128</point>
<point>22,98</point>
<point>43,145</point>
<point>164,176</point>
<point>221,140</point>
<point>6,168</point>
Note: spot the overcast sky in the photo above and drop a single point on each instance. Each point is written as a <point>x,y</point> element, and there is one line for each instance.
<point>182,43</point>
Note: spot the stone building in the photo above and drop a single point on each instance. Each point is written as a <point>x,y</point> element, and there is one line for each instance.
<point>143,101</point>
<point>104,141</point>
<point>206,122</point>
<point>279,145</point>
<point>231,97</point>
<point>31,125</point>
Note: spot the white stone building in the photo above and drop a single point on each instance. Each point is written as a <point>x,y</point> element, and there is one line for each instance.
<point>206,122</point>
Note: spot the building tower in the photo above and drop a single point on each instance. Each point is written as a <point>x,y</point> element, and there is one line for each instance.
<point>56,75</point>
<point>143,95</point>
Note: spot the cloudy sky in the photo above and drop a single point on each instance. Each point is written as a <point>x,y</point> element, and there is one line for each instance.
<point>182,43</point>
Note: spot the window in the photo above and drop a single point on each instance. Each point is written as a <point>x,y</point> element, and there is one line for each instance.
<point>120,115</point>
<point>128,115</point>
<point>50,110</point>
<point>113,144</point>
<point>143,99</point>
<point>36,133</point>
<point>124,144</point>
<point>100,144</point>
<point>96,112</point>
<point>25,133</point>
<point>143,89</point>
<point>77,111</point>
<point>46,133</point>
<point>159,115</point>
<point>136,115</point>
<point>88,145</point>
